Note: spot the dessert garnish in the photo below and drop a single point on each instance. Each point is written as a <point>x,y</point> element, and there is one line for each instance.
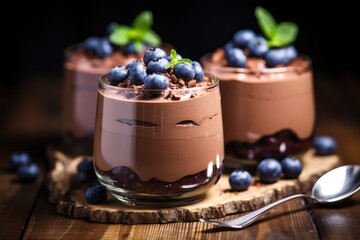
<point>155,71</point>
<point>131,39</point>
<point>274,46</point>
<point>135,37</point>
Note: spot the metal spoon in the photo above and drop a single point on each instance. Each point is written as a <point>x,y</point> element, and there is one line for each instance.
<point>334,186</point>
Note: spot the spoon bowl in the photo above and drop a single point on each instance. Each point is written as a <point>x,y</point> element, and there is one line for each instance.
<point>333,187</point>
<point>337,185</point>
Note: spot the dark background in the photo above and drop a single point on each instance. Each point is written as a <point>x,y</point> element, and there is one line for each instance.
<point>38,35</point>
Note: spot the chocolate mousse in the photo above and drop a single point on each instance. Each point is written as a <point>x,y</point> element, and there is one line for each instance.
<point>158,147</point>
<point>267,98</point>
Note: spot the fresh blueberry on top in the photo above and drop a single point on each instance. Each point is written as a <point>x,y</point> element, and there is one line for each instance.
<point>154,52</point>
<point>156,81</point>
<point>101,47</point>
<point>130,49</point>
<point>117,75</point>
<point>325,145</point>
<point>157,65</point>
<point>85,171</point>
<point>96,194</point>
<point>18,159</point>
<point>228,45</point>
<point>28,173</point>
<point>291,167</point>
<point>240,180</point>
<point>137,73</point>
<point>277,56</point>
<point>242,37</point>
<point>236,57</point>
<point>269,170</point>
<point>185,71</point>
<point>199,72</point>
<point>292,53</point>
<point>104,48</point>
<point>258,46</point>
<point>90,44</point>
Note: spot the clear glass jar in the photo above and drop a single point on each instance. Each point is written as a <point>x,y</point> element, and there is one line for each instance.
<point>158,148</point>
<point>267,112</point>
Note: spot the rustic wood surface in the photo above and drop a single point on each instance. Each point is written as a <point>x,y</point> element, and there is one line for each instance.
<point>219,202</point>
<point>30,121</point>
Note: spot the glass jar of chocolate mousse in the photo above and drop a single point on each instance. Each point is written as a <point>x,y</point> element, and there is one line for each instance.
<point>159,148</point>
<point>267,112</point>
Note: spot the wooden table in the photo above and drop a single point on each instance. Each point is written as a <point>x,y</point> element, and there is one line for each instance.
<point>30,121</point>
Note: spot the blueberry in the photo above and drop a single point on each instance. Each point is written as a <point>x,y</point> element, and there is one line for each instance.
<point>104,48</point>
<point>156,81</point>
<point>242,37</point>
<point>236,57</point>
<point>240,180</point>
<point>90,44</point>
<point>199,72</point>
<point>130,49</point>
<point>28,173</point>
<point>277,56</point>
<point>229,45</point>
<point>96,194</point>
<point>269,170</point>
<point>137,73</point>
<point>291,52</point>
<point>117,75</point>
<point>184,71</point>
<point>85,171</point>
<point>18,159</point>
<point>101,47</point>
<point>258,46</point>
<point>157,65</point>
<point>291,167</point>
<point>154,52</point>
<point>325,145</point>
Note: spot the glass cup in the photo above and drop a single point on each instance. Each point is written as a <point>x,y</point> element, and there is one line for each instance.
<point>158,148</point>
<point>80,84</point>
<point>266,113</point>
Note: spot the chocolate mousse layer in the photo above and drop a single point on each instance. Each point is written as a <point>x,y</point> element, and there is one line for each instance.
<point>267,112</point>
<point>150,142</point>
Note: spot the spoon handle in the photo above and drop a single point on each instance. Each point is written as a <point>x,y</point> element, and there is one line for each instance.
<point>249,218</point>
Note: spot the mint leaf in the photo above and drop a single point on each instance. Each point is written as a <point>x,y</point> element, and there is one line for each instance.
<point>120,35</point>
<point>278,35</point>
<point>138,46</point>
<point>285,34</point>
<point>152,38</point>
<point>175,60</point>
<point>266,22</point>
<point>138,33</point>
<point>143,21</point>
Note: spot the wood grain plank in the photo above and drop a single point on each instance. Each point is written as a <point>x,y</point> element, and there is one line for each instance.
<point>16,201</point>
<point>338,221</point>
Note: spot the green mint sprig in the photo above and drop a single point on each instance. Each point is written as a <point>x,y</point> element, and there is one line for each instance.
<point>138,33</point>
<point>175,60</point>
<point>278,35</point>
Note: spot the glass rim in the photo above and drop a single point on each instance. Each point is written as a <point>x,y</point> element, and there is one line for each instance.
<point>215,82</point>
<point>205,59</point>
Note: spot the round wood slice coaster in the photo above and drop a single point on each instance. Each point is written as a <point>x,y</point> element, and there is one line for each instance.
<point>219,202</point>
